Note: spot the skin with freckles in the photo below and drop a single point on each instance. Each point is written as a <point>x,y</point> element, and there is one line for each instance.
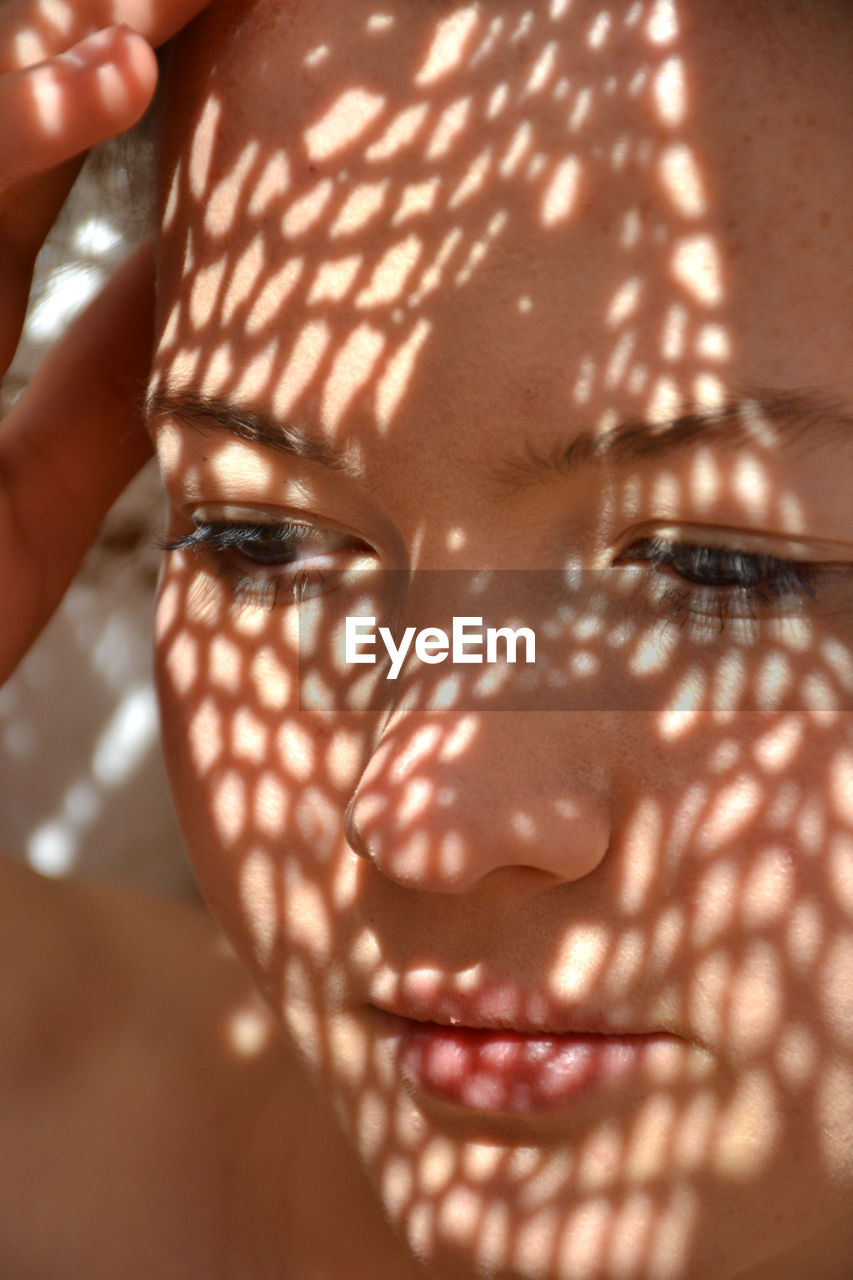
<point>542,290</point>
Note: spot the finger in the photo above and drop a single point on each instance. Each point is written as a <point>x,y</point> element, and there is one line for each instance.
<point>61,107</point>
<point>68,448</point>
<point>32,30</point>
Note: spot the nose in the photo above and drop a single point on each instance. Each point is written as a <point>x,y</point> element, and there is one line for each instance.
<point>446,800</point>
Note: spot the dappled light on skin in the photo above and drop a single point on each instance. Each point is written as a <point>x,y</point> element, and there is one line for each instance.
<point>457,239</point>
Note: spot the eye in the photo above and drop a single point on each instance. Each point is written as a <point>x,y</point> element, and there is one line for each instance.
<point>706,582</point>
<point>261,560</point>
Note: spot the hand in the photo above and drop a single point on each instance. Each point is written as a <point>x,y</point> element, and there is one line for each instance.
<point>69,78</point>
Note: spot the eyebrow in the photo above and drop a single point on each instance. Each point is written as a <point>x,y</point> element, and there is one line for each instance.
<point>204,413</point>
<point>768,418</point>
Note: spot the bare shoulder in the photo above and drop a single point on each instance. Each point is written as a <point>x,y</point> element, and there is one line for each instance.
<point>132,1054</point>
<point>144,1088</point>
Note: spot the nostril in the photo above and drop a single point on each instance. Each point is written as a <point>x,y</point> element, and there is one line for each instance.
<point>363,809</point>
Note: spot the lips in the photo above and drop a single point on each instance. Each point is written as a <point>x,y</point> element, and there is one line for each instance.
<point>472,1052</point>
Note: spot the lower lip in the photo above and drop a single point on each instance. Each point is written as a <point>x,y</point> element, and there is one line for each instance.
<point>516,1073</point>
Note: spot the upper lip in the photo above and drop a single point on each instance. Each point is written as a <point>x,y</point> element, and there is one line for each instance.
<point>505,1006</point>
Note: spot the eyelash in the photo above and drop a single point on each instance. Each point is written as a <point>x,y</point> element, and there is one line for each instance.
<point>227,541</point>
<point>709,584</point>
<point>725,585</point>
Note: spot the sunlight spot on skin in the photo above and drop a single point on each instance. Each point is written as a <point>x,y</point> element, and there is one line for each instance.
<point>806,937</point>
<point>705,481</point>
<point>296,750</point>
<point>205,736</point>
<point>669,91</point>
<point>29,48</point>
<point>249,1031</point>
<point>473,180</point>
<point>225,666</point>
<point>308,351</point>
<point>791,513</point>
<point>495,1235</point>
<point>219,371</point>
<point>682,181</point>
<point>480,248</point>
<point>519,145</point>
<point>697,267</point>
<point>417,199</point>
<point>730,683</point>
<point>559,200</point>
<point>536,165</point>
<point>750,485</point>
<point>841,786</point>
<point>452,121</point>
<point>307,912</point>
<point>228,807</point>
<point>498,99</point>
<point>352,367</point>
<point>522,28</point>
<point>181,662</point>
<point>342,759</point>
<point>299,1004</point>
<point>624,302</point>
<point>245,276</point>
<point>173,198</point>
<point>272,184</point>
<point>581,956</point>
<point>359,208</point>
<point>437,1166</point>
<point>317,818</point>
<point>449,45</point>
<point>772,683</point>
<point>839,659</point>
<point>307,210</point>
<point>334,279</point>
<point>542,71</point>
<point>708,391</point>
<point>380,22</point>
<point>397,1189</point>
<point>639,863</point>
<point>167,613</point>
<point>629,232</point>
<point>599,31</point>
<point>664,403</point>
<point>270,806</point>
<point>638,379</point>
<point>692,1135</point>
<point>258,372</point>
<point>391,273</point>
<point>797,1056</point>
<point>583,385</point>
<point>747,1129</point>
<point>662,23</point>
<point>201,152</point>
<point>249,737</point>
<point>397,376</point>
<point>524,305</point>
<point>558,9</point>
<point>348,118</point>
<point>371,1122</point>
<point>834,1118</point>
<point>712,343</point>
<point>638,82</point>
<point>653,650</point>
<point>400,133</point>
<point>735,807</point>
<point>581,110</point>
<point>458,1216</point>
<point>204,293</point>
<point>647,1146</point>
<point>778,747</point>
<point>226,199</point>
<point>768,888</point>
<point>434,273</point>
<point>316,56</point>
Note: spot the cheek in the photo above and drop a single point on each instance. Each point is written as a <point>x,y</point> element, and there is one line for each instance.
<point>260,786</point>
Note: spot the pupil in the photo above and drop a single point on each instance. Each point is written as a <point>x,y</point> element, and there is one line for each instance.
<point>709,567</point>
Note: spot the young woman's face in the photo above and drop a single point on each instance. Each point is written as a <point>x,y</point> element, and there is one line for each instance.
<point>561,291</point>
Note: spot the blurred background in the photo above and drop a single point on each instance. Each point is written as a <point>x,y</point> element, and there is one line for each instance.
<point>82,785</point>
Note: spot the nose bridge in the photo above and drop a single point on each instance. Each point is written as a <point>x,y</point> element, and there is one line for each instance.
<point>447,797</point>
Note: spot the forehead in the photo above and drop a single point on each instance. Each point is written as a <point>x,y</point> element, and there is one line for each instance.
<point>377,212</point>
